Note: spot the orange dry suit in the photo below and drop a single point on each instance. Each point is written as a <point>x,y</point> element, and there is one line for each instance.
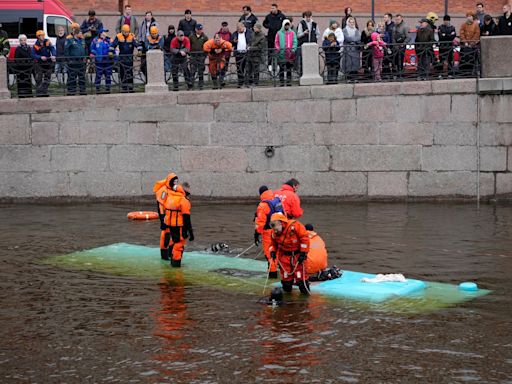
<point>161,190</point>
<point>288,245</point>
<point>317,255</point>
<point>217,61</point>
<point>174,210</point>
<point>291,201</point>
<point>262,227</point>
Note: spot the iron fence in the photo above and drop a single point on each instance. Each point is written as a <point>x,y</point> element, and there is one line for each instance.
<point>76,75</point>
<point>234,69</point>
<point>348,63</point>
<point>399,62</point>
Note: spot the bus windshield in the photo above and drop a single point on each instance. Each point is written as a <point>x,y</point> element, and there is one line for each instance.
<point>16,22</point>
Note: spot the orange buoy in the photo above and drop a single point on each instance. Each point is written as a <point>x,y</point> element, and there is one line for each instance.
<point>143,215</point>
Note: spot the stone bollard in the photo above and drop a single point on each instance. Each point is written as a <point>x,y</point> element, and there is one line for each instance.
<point>310,66</point>
<point>155,70</point>
<point>4,91</point>
<point>496,52</point>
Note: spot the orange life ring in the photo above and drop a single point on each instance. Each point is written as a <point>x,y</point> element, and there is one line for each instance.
<point>143,215</point>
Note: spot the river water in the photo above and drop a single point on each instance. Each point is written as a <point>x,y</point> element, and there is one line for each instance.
<point>61,325</point>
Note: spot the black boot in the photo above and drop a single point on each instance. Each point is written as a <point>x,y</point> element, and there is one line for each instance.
<point>272,275</point>
<point>303,287</point>
<point>287,285</point>
<point>175,263</point>
<point>164,254</point>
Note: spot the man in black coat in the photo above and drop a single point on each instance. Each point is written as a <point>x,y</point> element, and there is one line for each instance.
<point>505,21</point>
<point>248,18</point>
<point>273,22</point>
<point>188,24</point>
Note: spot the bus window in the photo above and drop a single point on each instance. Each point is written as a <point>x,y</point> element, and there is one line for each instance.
<point>9,21</point>
<point>54,22</point>
<point>15,22</point>
<point>29,26</point>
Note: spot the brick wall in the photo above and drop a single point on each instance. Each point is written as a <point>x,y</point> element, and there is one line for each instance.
<point>260,8</point>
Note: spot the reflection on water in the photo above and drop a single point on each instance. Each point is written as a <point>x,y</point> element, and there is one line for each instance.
<point>60,325</point>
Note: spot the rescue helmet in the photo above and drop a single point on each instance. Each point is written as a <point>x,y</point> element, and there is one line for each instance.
<point>276,294</point>
<point>75,26</point>
<point>40,33</point>
<point>432,16</point>
<point>125,28</point>
<point>153,30</point>
<point>278,216</point>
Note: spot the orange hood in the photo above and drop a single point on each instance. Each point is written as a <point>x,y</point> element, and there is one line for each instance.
<point>267,195</point>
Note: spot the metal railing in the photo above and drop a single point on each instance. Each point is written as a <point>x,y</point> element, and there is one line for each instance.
<point>400,62</point>
<point>76,75</point>
<point>234,69</point>
<point>199,70</point>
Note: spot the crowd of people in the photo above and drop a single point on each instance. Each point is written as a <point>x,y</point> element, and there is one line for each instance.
<point>293,249</point>
<point>375,49</point>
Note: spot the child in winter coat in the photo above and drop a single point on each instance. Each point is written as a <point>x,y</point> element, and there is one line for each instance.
<point>378,46</point>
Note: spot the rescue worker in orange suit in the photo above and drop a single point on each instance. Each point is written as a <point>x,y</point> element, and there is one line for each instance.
<point>175,223</point>
<point>268,205</point>
<point>290,246</point>
<point>290,199</point>
<point>317,255</point>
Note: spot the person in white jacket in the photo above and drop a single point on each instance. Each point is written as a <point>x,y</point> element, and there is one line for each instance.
<point>334,27</point>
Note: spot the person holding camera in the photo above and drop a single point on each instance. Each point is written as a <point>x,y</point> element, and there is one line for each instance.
<point>90,28</point>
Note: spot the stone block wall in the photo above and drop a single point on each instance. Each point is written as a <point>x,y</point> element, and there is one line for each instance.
<point>398,140</point>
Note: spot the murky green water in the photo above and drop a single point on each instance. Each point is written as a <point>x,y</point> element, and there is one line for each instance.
<point>65,325</point>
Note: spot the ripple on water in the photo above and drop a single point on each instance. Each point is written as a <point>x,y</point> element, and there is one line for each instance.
<point>78,326</point>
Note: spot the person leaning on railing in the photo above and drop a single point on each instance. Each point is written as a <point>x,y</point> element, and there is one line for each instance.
<point>100,48</point>
<point>257,49</point>
<point>488,27</point>
<point>424,48</point>
<point>400,38</point>
<point>44,54</point>
<point>366,37</point>
<point>217,50</point>
<point>180,48</point>
<point>447,35</point>
<point>331,49</point>
<point>126,42</point>
<point>469,40</point>
<point>241,39</point>
<point>75,53</point>
<point>197,55</point>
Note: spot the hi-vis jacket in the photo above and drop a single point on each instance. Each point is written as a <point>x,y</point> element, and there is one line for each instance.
<point>293,238</point>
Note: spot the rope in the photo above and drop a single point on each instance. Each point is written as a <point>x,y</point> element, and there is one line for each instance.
<point>240,254</point>
<point>266,281</point>
<point>304,279</point>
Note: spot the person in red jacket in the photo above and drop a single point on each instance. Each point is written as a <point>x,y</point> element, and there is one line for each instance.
<point>262,231</point>
<point>290,199</point>
<point>290,246</point>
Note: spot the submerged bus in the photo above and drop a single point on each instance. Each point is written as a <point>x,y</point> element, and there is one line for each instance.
<point>28,16</point>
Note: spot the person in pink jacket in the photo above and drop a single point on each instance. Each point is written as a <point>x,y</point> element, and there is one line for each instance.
<point>378,46</point>
<point>285,44</point>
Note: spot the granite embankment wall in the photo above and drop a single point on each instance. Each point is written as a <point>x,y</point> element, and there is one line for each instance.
<point>414,139</point>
